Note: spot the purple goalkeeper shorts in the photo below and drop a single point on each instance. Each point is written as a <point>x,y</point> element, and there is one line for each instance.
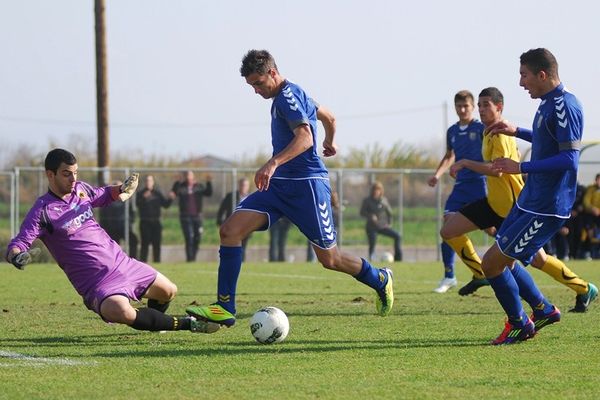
<point>131,279</point>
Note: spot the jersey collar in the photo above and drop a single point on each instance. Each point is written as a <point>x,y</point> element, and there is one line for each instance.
<point>557,91</point>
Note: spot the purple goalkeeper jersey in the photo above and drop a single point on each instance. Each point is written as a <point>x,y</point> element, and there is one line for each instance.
<point>80,246</point>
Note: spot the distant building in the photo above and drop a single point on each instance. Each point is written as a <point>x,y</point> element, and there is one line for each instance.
<point>209,161</point>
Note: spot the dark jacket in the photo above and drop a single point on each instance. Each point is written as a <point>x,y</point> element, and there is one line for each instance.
<point>149,207</point>
<point>377,212</point>
<point>226,207</point>
<point>199,190</point>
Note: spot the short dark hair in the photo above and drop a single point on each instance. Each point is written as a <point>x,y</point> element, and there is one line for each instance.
<point>464,95</point>
<point>541,59</point>
<point>58,156</point>
<point>494,93</point>
<point>257,61</point>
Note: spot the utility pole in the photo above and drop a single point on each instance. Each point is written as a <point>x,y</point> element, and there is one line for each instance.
<point>101,93</point>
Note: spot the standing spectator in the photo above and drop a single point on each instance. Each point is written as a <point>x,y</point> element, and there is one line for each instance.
<point>149,202</point>
<point>227,206</point>
<point>112,219</point>
<point>376,209</point>
<point>591,208</point>
<point>278,238</point>
<point>191,194</point>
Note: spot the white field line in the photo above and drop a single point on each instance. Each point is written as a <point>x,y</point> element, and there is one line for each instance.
<point>40,361</point>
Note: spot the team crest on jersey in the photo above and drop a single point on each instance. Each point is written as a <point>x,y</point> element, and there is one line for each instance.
<point>473,135</point>
<point>81,195</point>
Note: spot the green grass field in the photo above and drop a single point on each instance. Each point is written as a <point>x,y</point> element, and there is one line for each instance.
<point>431,346</point>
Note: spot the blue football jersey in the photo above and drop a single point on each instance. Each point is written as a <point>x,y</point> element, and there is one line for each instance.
<point>291,108</point>
<point>558,125</point>
<point>466,143</point>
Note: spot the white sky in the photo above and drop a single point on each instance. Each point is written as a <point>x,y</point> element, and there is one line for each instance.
<point>384,67</point>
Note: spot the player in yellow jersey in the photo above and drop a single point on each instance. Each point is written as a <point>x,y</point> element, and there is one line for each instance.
<point>488,213</point>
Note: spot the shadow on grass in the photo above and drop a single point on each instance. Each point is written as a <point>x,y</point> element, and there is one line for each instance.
<point>310,346</point>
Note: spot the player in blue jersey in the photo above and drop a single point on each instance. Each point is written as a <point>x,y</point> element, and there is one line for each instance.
<point>294,183</point>
<point>545,201</point>
<point>463,141</point>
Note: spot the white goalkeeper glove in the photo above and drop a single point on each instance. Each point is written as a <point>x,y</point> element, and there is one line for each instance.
<point>25,257</point>
<point>128,187</point>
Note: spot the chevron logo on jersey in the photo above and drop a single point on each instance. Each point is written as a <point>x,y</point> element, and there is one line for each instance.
<point>289,96</point>
<point>527,236</point>
<point>326,220</point>
<point>561,113</point>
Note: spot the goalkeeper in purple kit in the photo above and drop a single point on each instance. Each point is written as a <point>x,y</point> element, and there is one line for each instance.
<point>103,275</point>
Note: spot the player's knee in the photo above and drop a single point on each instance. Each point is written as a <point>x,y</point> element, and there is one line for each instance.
<point>228,232</point>
<point>445,233</point>
<point>170,291</point>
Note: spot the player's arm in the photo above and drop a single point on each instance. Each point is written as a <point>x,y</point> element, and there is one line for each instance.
<point>301,142</point>
<point>509,129</point>
<point>442,167</point>
<point>19,252</point>
<point>328,120</point>
<point>483,168</point>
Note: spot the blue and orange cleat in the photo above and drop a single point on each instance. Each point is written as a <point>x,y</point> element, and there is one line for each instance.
<point>512,334</point>
<point>541,321</point>
<point>385,296</point>
<point>212,313</point>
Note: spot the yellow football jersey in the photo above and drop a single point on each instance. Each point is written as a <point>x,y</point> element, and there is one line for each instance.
<point>504,190</point>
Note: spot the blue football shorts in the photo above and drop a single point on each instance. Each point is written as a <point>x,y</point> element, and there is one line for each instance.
<point>463,193</point>
<point>305,202</point>
<point>522,233</point>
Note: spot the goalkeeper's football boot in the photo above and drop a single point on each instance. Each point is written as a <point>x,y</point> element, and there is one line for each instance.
<point>212,313</point>
<point>583,301</point>
<point>513,334</point>
<point>472,286</point>
<point>201,326</point>
<point>385,296</point>
<point>541,320</point>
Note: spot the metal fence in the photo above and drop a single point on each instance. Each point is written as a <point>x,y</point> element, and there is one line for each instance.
<point>418,208</point>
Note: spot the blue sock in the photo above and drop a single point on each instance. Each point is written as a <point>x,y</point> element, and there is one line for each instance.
<point>448,259</point>
<point>230,266</point>
<point>371,276</point>
<point>529,291</point>
<point>507,292</point>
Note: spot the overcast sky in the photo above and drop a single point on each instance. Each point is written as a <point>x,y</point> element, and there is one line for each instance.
<point>385,68</point>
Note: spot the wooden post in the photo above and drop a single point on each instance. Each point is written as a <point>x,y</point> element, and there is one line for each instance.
<point>101,94</point>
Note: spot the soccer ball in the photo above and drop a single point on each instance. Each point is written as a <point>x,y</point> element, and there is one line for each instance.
<point>386,257</point>
<point>269,325</point>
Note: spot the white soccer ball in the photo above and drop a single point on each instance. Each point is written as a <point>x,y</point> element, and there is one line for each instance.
<point>386,257</point>
<point>269,325</point>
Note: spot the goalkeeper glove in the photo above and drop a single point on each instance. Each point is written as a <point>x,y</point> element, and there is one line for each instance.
<point>128,187</point>
<point>22,259</point>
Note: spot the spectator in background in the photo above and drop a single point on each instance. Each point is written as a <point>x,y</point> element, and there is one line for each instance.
<point>191,194</point>
<point>149,202</point>
<point>376,209</point>
<point>591,208</point>
<point>227,206</point>
<point>336,209</point>
<point>278,238</point>
<point>112,219</point>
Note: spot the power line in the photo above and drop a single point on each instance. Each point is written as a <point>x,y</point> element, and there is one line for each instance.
<point>196,125</point>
